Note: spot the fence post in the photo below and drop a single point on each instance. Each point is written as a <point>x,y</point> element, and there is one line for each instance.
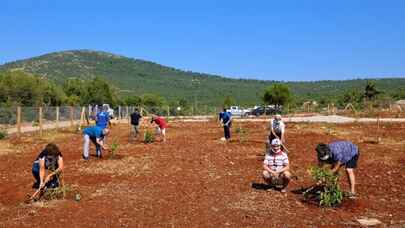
<point>82,114</point>
<point>18,121</point>
<point>57,118</point>
<point>168,111</point>
<point>71,116</point>
<point>127,115</point>
<point>119,112</point>
<point>40,121</point>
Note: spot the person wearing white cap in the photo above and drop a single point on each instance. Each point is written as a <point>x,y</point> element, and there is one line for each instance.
<point>276,166</point>
<point>277,129</point>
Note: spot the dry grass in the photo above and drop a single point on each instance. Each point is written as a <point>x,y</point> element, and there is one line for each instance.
<point>127,165</point>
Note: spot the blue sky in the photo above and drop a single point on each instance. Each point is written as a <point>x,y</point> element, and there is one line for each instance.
<point>271,40</point>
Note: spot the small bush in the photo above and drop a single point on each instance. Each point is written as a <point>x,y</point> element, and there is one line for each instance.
<point>148,137</point>
<point>327,190</point>
<point>114,148</point>
<point>242,133</point>
<point>3,134</point>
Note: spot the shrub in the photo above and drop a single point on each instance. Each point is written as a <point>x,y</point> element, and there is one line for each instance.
<point>242,134</point>
<point>3,134</point>
<point>148,137</point>
<point>327,190</point>
<point>114,148</point>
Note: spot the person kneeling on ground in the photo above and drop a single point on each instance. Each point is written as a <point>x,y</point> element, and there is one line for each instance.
<point>96,135</point>
<point>161,125</point>
<point>49,159</point>
<point>276,166</point>
<point>337,154</point>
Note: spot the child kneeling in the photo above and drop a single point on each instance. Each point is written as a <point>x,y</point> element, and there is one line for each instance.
<point>276,166</point>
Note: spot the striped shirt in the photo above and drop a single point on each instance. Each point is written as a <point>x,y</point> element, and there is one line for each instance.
<point>276,161</point>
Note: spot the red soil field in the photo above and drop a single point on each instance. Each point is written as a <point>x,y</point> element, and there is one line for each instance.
<point>196,180</point>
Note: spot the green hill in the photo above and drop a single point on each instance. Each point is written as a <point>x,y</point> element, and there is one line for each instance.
<point>137,77</point>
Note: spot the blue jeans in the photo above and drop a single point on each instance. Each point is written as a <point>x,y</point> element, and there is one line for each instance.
<point>52,183</point>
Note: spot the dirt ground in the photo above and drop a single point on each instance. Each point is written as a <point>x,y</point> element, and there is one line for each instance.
<point>196,180</point>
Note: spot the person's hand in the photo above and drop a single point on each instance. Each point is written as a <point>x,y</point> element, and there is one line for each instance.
<point>47,179</point>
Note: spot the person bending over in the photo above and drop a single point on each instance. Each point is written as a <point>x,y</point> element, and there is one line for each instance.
<point>47,167</point>
<point>338,154</point>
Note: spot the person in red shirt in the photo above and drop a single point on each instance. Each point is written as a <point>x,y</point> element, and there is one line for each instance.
<point>161,125</point>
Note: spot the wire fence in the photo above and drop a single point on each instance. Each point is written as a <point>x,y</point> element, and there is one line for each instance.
<point>16,119</point>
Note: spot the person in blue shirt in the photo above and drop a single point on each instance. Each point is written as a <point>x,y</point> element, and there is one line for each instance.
<point>338,154</point>
<point>96,135</point>
<point>103,118</point>
<point>226,123</point>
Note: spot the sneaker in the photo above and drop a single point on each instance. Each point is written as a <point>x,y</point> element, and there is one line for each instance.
<point>283,190</point>
<point>351,195</point>
<point>85,158</point>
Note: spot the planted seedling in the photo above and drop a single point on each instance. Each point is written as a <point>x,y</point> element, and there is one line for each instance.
<point>327,191</point>
<point>148,137</point>
<point>114,148</point>
<point>242,134</point>
<point>3,134</point>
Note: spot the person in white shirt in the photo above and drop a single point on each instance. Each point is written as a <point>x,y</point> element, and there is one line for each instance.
<point>276,166</point>
<point>277,129</point>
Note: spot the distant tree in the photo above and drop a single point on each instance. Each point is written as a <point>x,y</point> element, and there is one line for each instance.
<point>100,91</point>
<point>277,94</point>
<point>153,100</point>
<point>229,101</point>
<point>73,100</point>
<point>76,90</point>
<point>398,95</point>
<point>370,92</point>
<point>353,97</point>
<point>133,100</point>
<point>53,95</point>
<point>183,103</point>
<point>17,87</point>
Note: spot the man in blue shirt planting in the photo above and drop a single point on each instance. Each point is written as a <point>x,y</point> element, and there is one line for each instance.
<point>226,119</point>
<point>96,135</point>
<point>340,153</point>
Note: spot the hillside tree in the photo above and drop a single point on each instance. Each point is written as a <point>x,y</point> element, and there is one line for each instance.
<point>277,94</point>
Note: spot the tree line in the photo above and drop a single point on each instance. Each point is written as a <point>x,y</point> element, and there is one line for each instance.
<point>21,88</point>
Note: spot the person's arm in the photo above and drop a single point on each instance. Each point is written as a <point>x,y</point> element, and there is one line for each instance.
<point>285,168</point>
<point>109,122</point>
<point>266,167</point>
<point>229,121</point>
<point>100,142</point>
<point>283,133</point>
<point>41,173</point>
<point>336,167</point>
<point>57,171</point>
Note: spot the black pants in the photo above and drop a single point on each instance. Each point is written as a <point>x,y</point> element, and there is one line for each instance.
<point>227,132</point>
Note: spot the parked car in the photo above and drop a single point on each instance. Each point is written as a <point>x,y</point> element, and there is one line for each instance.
<point>236,111</point>
<point>269,110</point>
